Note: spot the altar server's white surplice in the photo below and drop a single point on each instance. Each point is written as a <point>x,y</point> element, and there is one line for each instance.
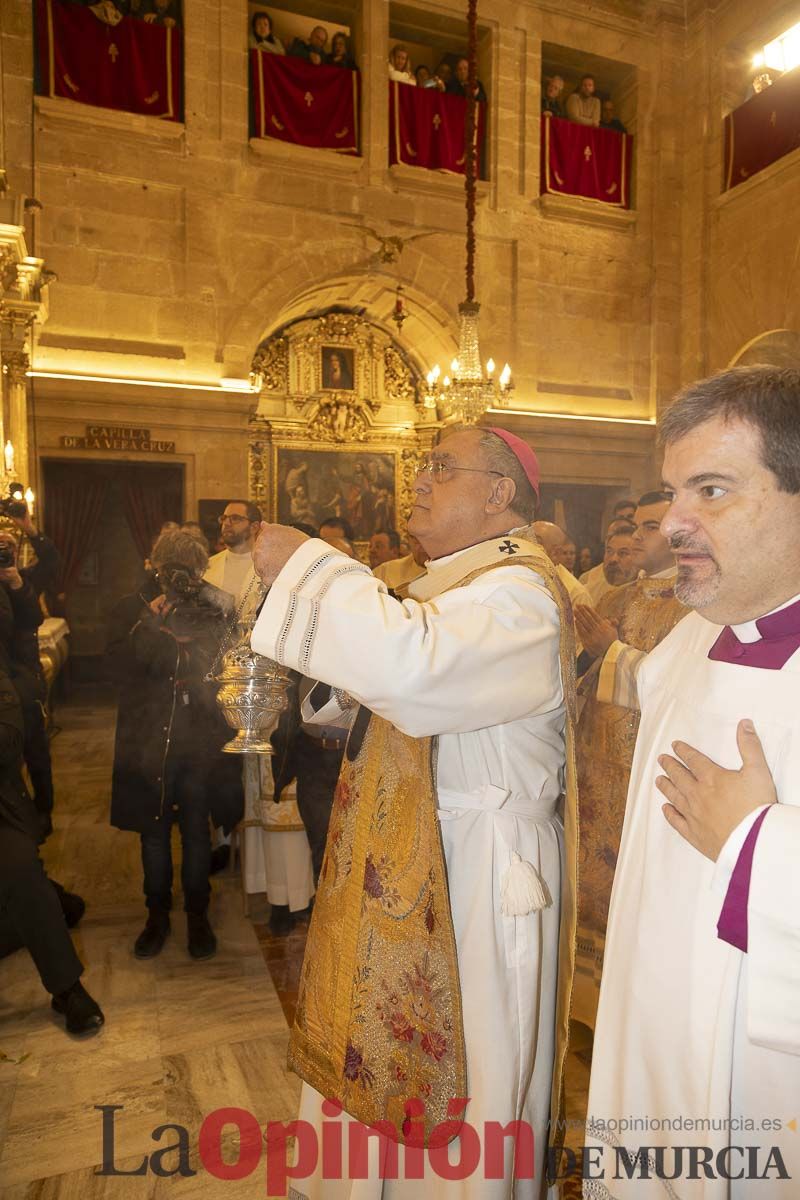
<point>478,666</point>
<point>689,1028</point>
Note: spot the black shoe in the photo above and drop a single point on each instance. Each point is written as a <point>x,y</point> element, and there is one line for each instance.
<point>202,942</point>
<point>281,921</point>
<point>72,905</point>
<point>220,857</point>
<point>150,941</point>
<point>83,1014</point>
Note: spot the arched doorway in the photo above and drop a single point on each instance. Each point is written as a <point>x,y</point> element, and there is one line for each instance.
<point>777,348</point>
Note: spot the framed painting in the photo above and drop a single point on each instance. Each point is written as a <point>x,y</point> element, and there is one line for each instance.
<point>338,368</point>
<point>358,485</point>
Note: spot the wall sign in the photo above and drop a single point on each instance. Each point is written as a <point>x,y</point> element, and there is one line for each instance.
<point>117,437</point>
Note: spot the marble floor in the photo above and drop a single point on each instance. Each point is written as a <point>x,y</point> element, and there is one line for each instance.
<point>182,1038</point>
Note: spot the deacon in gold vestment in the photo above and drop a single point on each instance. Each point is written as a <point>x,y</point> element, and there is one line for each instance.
<point>433,957</point>
<point>628,623</point>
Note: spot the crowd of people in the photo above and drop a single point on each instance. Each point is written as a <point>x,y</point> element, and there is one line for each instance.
<point>154,12</point>
<point>313,49</point>
<point>683,724</point>
<point>583,105</point>
<point>169,768</point>
<point>684,642</point>
<point>451,75</point>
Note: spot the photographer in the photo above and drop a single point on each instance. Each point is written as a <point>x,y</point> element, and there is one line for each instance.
<point>168,765</point>
<point>30,912</point>
<point>21,644</point>
<point>43,573</point>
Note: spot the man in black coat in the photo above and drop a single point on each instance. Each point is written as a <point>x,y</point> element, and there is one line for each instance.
<point>459,85</point>
<point>168,760</point>
<point>29,905</point>
<point>20,586</point>
<point>313,51</point>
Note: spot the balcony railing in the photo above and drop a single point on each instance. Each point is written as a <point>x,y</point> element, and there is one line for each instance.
<point>131,66</point>
<point>762,130</point>
<point>427,128</point>
<point>294,101</point>
<point>584,160</point>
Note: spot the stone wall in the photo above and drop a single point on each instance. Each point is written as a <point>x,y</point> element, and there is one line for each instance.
<point>739,248</point>
<point>179,248</point>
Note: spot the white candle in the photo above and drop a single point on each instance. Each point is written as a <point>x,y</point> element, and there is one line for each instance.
<point>9,456</point>
<point>30,499</point>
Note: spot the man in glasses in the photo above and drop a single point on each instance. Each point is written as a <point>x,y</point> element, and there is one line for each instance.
<point>232,568</point>
<point>432,959</point>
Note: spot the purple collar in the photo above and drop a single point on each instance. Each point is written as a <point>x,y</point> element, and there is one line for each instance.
<point>780,639</point>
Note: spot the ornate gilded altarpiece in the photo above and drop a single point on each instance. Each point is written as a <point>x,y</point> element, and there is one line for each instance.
<point>352,450</point>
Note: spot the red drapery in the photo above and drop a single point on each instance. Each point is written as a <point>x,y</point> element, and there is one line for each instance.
<point>581,160</point>
<point>426,128</point>
<point>148,504</point>
<point>762,130</point>
<point>74,507</point>
<point>132,66</point>
<point>295,101</point>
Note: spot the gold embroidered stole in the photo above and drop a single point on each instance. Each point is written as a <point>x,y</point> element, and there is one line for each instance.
<point>378,1024</point>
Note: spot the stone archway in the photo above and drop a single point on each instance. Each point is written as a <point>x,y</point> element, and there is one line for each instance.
<point>777,348</point>
<point>295,290</point>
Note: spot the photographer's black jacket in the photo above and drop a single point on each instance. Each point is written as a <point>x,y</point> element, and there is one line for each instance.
<point>16,806</point>
<point>153,672</point>
<point>20,618</point>
<point>42,574</point>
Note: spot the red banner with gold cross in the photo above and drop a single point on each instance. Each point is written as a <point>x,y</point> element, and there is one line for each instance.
<point>584,160</point>
<point>762,130</point>
<point>427,128</point>
<point>130,65</point>
<point>295,101</point>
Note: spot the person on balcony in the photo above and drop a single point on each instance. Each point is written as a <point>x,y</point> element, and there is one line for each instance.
<point>262,37</point>
<point>340,55</point>
<point>313,51</point>
<point>400,66</point>
<point>443,73</point>
<point>426,80</point>
<point>162,12</point>
<point>583,106</point>
<point>458,85</point>
<point>551,96</point>
<point>607,118</point>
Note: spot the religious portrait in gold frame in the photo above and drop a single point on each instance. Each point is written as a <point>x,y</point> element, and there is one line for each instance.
<point>338,368</point>
<point>358,484</point>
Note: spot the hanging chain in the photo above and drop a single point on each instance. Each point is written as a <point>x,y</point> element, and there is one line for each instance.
<point>226,637</point>
<point>470,149</point>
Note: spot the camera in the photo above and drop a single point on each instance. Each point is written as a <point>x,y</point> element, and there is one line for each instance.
<point>6,556</point>
<point>13,505</point>
<point>193,614</point>
<point>177,583</point>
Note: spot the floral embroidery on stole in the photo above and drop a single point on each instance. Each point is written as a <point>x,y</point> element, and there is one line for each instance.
<point>378,1024</point>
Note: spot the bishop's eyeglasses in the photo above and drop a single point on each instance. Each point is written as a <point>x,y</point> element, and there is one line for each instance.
<point>440,470</point>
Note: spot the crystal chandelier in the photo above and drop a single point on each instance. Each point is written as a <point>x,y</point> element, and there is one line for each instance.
<point>466,393</point>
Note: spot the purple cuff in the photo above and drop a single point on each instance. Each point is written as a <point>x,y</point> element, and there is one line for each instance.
<point>732,923</point>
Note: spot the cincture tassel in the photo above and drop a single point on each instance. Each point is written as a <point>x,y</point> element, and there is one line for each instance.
<point>522,890</point>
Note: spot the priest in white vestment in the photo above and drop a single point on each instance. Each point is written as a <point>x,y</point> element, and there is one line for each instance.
<point>478,667</point>
<point>695,1086</point>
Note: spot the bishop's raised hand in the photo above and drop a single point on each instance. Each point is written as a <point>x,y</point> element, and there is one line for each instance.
<point>274,546</point>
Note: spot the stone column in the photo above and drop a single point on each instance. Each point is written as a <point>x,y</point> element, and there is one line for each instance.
<point>374,23</point>
<point>15,367</point>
